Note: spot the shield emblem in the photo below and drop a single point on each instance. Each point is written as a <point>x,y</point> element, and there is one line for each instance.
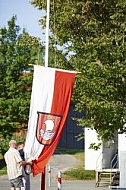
<point>47,127</point>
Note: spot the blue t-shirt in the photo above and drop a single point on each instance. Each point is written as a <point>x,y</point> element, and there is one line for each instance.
<point>21,151</point>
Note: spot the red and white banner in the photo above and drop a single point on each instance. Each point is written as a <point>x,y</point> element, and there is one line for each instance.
<point>50,100</point>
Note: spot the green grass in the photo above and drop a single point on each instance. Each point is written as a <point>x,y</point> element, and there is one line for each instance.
<point>78,173</point>
<point>3,171</point>
<point>3,168</point>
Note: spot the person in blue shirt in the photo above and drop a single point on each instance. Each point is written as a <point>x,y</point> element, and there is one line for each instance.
<point>26,176</point>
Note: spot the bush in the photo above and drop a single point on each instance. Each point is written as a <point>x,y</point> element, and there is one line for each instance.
<point>4,143</point>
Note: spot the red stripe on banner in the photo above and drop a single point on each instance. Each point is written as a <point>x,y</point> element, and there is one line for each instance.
<point>62,92</point>
<point>60,105</point>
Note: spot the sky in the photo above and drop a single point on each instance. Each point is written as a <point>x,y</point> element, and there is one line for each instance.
<point>27,16</point>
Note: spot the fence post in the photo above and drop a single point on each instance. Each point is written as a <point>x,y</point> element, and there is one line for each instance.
<point>59,181</point>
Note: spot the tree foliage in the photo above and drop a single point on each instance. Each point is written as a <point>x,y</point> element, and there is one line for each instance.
<point>18,52</point>
<point>94,32</point>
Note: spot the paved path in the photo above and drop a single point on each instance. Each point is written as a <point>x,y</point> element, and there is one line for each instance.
<point>61,163</point>
<point>66,185</point>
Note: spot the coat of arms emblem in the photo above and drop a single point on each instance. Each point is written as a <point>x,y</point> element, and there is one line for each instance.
<point>47,127</point>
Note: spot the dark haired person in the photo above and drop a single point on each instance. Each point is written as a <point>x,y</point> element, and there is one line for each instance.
<point>26,176</point>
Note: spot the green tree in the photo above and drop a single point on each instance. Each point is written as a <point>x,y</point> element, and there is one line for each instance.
<point>18,52</point>
<point>94,33</point>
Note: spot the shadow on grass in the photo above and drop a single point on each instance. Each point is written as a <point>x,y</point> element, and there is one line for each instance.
<point>3,168</point>
<point>2,163</point>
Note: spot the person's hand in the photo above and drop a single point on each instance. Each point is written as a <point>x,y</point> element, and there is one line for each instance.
<point>30,163</point>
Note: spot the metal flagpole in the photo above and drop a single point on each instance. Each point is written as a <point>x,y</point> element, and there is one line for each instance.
<point>47,34</point>
<point>43,180</point>
<point>46,65</point>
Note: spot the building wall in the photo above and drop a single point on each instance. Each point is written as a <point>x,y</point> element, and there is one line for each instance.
<point>92,157</point>
<point>71,130</point>
<point>101,158</point>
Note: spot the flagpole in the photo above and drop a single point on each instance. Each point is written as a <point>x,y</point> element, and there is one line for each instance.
<point>47,34</point>
<point>43,180</point>
<point>46,65</point>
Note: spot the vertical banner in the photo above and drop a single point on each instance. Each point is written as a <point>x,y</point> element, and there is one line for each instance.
<point>50,101</point>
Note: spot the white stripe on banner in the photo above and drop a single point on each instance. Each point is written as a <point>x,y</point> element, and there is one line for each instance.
<point>41,100</point>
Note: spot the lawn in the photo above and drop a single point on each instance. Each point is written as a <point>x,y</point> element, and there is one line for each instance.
<point>78,173</point>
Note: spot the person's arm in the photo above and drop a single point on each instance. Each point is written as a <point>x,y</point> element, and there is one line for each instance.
<point>19,159</point>
<point>23,163</point>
